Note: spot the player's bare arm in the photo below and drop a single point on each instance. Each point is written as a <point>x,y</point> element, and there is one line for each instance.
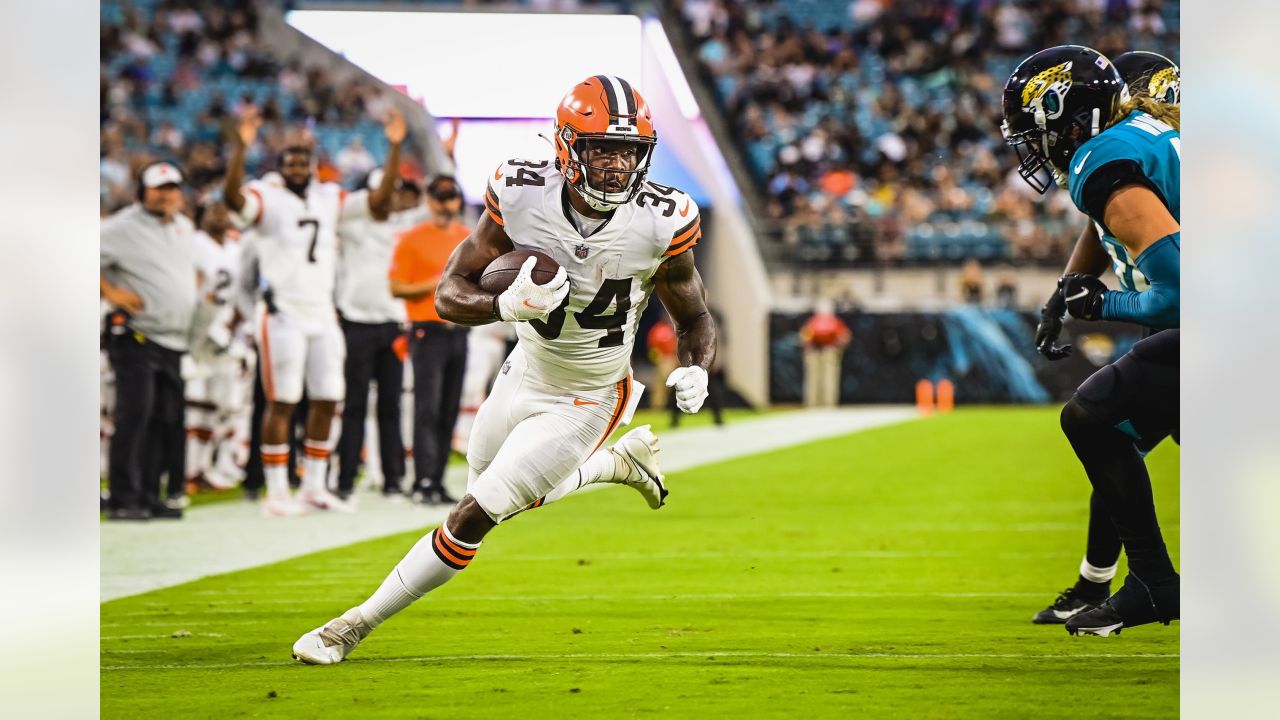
<point>679,287</point>
<point>1142,223</point>
<point>246,133</point>
<point>380,198</point>
<point>1088,256</point>
<point>459,298</point>
<point>1138,218</point>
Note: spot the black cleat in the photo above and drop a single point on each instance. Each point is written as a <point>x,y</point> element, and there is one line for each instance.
<point>1134,604</point>
<point>440,496</point>
<point>1070,602</point>
<point>128,513</point>
<point>163,511</point>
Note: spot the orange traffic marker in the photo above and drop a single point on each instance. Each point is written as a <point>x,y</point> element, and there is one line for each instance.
<point>924,396</point>
<point>946,396</point>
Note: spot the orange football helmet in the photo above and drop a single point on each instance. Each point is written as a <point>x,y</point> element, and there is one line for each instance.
<point>603,108</point>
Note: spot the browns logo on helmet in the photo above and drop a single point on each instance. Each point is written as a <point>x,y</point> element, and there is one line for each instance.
<point>603,111</point>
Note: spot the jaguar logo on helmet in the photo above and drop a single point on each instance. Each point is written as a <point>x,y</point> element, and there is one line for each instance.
<point>1045,95</point>
<point>1165,85</point>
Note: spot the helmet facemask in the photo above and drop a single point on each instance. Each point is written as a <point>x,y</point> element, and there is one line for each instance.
<point>1033,158</point>
<point>619,185</point>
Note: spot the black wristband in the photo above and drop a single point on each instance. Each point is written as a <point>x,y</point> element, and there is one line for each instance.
<point>497,314</point>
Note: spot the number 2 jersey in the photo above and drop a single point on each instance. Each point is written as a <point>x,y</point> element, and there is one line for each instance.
<point>587,341</point>
<point>297,243</point>
<point>1153,149</point>
<point>219,262</point>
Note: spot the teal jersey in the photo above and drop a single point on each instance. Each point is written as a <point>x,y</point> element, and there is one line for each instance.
<point>1156,148</point>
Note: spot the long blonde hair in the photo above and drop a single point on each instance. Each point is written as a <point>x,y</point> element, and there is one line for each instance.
<point>1167,113</point>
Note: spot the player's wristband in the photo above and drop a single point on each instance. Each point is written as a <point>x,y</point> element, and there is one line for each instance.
<point>497,314</point>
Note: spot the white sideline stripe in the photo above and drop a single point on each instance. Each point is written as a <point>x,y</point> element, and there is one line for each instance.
<point>230,536</point>
<point>165,636</point>
<point>709,655</point>
<point>239,607</point>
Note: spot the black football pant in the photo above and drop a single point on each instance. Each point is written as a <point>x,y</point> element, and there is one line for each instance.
<point>150,434</point>
<point>371,356</point>
<point>1103,547</point>
<point>439,355</point>
<point>1130,404</point>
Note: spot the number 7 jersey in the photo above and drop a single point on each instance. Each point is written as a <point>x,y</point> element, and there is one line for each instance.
<point>586,342</point>
<point>298,242</point>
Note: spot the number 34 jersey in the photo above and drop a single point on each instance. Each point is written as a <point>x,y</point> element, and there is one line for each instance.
<point>297,243</point>
<point>586,342</point>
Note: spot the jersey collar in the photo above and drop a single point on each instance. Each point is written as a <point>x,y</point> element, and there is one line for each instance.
<point>568,213</point>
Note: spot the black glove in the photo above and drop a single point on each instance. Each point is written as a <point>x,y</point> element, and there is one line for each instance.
<point>1083,294</point>
<point>1050,327</point>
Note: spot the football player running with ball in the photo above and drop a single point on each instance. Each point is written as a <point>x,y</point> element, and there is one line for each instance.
<point>567,386</point>
<point>1068,114</point>
<point>1157,77</point>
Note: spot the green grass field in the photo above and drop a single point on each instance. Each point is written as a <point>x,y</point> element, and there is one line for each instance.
<point>888,573</point>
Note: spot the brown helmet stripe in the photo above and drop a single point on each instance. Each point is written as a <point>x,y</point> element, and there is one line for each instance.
<point>610,95</point>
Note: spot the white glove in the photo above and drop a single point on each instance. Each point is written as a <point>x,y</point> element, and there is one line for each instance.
<point>526,300</point>
<point>220,335</point>
<point>690,384</point>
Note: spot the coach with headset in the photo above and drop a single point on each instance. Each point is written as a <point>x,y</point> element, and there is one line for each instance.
<point>148,273</point>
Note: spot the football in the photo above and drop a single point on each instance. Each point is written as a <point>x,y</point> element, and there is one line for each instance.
<point>503,270</point>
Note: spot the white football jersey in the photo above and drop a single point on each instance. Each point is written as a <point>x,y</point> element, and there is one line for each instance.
<point>297,242</point>
<point>586,343</point>
<point>219,263</point>
<point>366,245</point>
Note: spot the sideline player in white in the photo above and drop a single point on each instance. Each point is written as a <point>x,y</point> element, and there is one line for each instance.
<point>567,385</point>
<point>298,334</point>
<point>219,386</point>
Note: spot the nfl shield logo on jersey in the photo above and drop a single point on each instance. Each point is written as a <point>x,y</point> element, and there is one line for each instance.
<point>581,251</point>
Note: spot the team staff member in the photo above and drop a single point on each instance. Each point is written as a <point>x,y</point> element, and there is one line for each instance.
<point>824,338</point>
<point>437,348</point>
<point>147,262</point>
<point>371,321</point>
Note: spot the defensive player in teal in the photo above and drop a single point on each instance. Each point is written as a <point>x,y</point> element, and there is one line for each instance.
<point>1070,117</point>
<point>1156,76</point>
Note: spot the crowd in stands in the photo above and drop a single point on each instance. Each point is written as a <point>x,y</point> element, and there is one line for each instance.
<point>873,126</point>
<point>175,73</point>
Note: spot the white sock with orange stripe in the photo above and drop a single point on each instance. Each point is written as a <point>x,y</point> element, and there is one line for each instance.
<point>275,470</point>
<point>430,563</point>
<point>315,465</point>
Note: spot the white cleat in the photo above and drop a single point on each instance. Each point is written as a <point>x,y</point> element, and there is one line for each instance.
<point>333,641</point>
<point>220,478</point>
<point>324,500</point>
<point>282,506</point>
<point>639,450</point>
